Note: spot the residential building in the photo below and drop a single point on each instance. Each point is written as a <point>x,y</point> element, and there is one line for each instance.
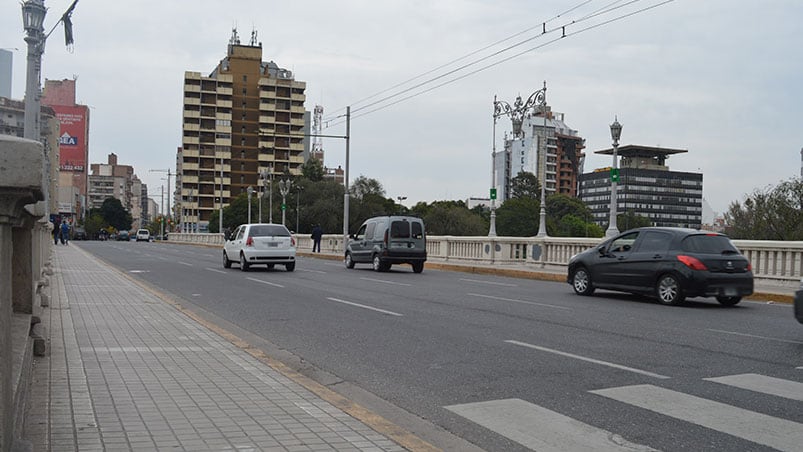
<point>243,121</point>
<point>561,160</point>
<point>12,122</point>
<point>73,140</point>
<point>112,180</point>
<point>646,187</point>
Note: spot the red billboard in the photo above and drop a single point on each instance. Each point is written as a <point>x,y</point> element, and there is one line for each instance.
<point>73,133</point>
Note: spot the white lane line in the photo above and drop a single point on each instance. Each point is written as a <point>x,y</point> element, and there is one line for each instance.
<point>385,282</point>
<point>590,360</point>
<point>489,282</point>
<point>215,270</point>
<point>518,301</point>
<point>540,429</point>
<point>759,428</point>
<point>764,384</point>
<point>311,271</point>
<point>364,306</point>
<point>185,263</point>
<point>265,282</point>
<point>162,258</point>
<point>756,337</point>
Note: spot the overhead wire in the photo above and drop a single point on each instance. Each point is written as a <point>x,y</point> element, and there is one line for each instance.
<point>601,11</point>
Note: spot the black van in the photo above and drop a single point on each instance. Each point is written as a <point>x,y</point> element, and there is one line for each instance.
<point>384,241</point>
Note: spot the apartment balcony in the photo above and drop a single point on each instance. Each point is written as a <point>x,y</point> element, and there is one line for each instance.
<point>191,152</point>
<point>192,114</point>
<point>223,116</point>
<point>189,166</point>
<point>192,88</point>
<point>188,179</point>
<point>224,103</point>
<point>189,140</point>
<point>190,127</point>
<point>298,97</point>
<point>192,100</point>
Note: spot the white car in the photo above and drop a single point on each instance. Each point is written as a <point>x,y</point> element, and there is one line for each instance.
<point>260,243</point>
<point>143,235</point>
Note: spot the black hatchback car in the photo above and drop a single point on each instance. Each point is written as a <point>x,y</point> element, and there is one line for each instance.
<point>669,263</point>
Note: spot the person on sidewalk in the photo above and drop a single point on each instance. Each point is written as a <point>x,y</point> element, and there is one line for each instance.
<point>65,232</point>
<point>55,232</point>
<point>317,234</point>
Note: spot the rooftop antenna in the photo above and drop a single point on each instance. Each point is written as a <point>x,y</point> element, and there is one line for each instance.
<point>253,37</point>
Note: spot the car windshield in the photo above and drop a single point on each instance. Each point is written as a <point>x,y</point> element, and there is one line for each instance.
<point>708,244</point>
<point>268,230</point>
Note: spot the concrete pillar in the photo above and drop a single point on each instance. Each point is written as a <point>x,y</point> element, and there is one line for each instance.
<point>20,184</point>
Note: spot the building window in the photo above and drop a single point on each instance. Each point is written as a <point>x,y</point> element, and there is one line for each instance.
<point>245,78</point>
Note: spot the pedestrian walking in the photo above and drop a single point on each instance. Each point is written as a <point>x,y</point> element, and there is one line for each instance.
<point>55,232</point>
<point>317,234</point>
<point>65,232</point>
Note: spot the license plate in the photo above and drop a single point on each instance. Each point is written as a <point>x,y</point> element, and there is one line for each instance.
<point>730,292</point>
<point>273,244</point>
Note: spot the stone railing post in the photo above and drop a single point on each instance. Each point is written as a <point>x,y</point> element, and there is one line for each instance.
<point>20,184</point>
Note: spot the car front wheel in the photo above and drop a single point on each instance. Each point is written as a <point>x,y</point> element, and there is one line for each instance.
<point>669,291</point>
<point>349,261</point>
<point>729,301</point>
<point>581,282</point>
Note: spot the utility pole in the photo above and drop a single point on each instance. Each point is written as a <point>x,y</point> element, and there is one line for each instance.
<point>169,192</point>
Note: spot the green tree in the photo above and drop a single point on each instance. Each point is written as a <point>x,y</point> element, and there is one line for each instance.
<point>518,217</point>
<point>115,215</point>
<point>569,217</point>
<point>775,213</point>
<point>631,220</point>
<point>453,218</point>
<point>525,185</point>
<point>94,223</point>
<point>312,170</point>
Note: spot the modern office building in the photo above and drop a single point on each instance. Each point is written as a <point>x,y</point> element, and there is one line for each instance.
<point>561,160</point>
<point>646,187</point>
<point>73,142</point>
<point>244,124</point>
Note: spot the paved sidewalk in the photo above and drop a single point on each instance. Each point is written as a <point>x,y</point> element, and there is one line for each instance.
<point>127,370</point>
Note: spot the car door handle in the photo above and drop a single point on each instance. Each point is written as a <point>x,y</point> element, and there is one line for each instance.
<point>621,258</point>
<point>657,256</point>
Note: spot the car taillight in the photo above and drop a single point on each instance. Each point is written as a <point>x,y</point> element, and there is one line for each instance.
<point>749,267</point>
<point>249,241</point>
<point>293,241</point>
<point>692,262</point>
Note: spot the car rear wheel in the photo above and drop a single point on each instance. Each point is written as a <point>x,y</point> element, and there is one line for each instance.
<point>418,267</point>
<point>729,301</point>
<point>669,291</point>
<point>290,267</point>
<point>226,261</point>
<point>378,265</point>
<point>581,282</point>
<point>349,261</point>
<point>243,264</point>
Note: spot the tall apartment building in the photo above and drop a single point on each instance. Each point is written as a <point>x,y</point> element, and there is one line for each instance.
<point>646,187</point>
<point>243,124</point>
<point>561,160</point>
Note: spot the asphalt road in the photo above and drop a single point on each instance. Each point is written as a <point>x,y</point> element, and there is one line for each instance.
<point>508,364</point>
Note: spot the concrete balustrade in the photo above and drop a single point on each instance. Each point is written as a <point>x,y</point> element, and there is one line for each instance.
<point>773,261</point>
<point>24,253</point>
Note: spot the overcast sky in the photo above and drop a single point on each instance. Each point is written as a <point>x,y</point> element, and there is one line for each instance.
<point>721,78</point>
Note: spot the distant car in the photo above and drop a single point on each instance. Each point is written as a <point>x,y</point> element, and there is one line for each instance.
<point>261,243</point>
<point>143,235</point>
<point>799,303</point>
<point>79,234</point>
<point>123,236</point>
<point>384,241</point>
<point>669,263</point>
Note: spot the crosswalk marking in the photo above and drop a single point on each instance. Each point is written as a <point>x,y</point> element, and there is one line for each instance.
<point>759,428</point>
<point>541,429</point>
<point>761,383</point>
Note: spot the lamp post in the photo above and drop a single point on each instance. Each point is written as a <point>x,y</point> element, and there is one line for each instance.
<point>517,113</point>
<point>250,191</point>
<point>401,198</point>
<point>33,17</point>
<point>220,217</point>
<point>284,188</point>
<point>299,189</point>
<point>616,133</point>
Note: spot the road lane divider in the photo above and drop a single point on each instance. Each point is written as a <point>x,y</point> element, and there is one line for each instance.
<point>265,282</point>
<point>588,360</point>
<point>215,270</point>
<point>735,333</point>
<point>385,281</point>
<point>512,300</point>
<point>351,303</point>
<point>492,283</point>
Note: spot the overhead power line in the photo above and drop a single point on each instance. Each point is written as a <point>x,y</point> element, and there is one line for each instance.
<point>411,92</point>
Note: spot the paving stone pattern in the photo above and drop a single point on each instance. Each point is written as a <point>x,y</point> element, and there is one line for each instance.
<point>127,371</point>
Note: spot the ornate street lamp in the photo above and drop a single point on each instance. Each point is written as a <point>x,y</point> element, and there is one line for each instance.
<point>284,189</point>
<point>616,133</point>
<point>517,113</point>
<point>250,191</point>
<point>299,188</point>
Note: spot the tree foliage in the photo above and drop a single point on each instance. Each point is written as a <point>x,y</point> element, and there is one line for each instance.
<point>114,214</point>
<point>775,213</point>
<point>525,185</point>
<point>518,217</point>
<point>312,170</point>
<point>453,218</point>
